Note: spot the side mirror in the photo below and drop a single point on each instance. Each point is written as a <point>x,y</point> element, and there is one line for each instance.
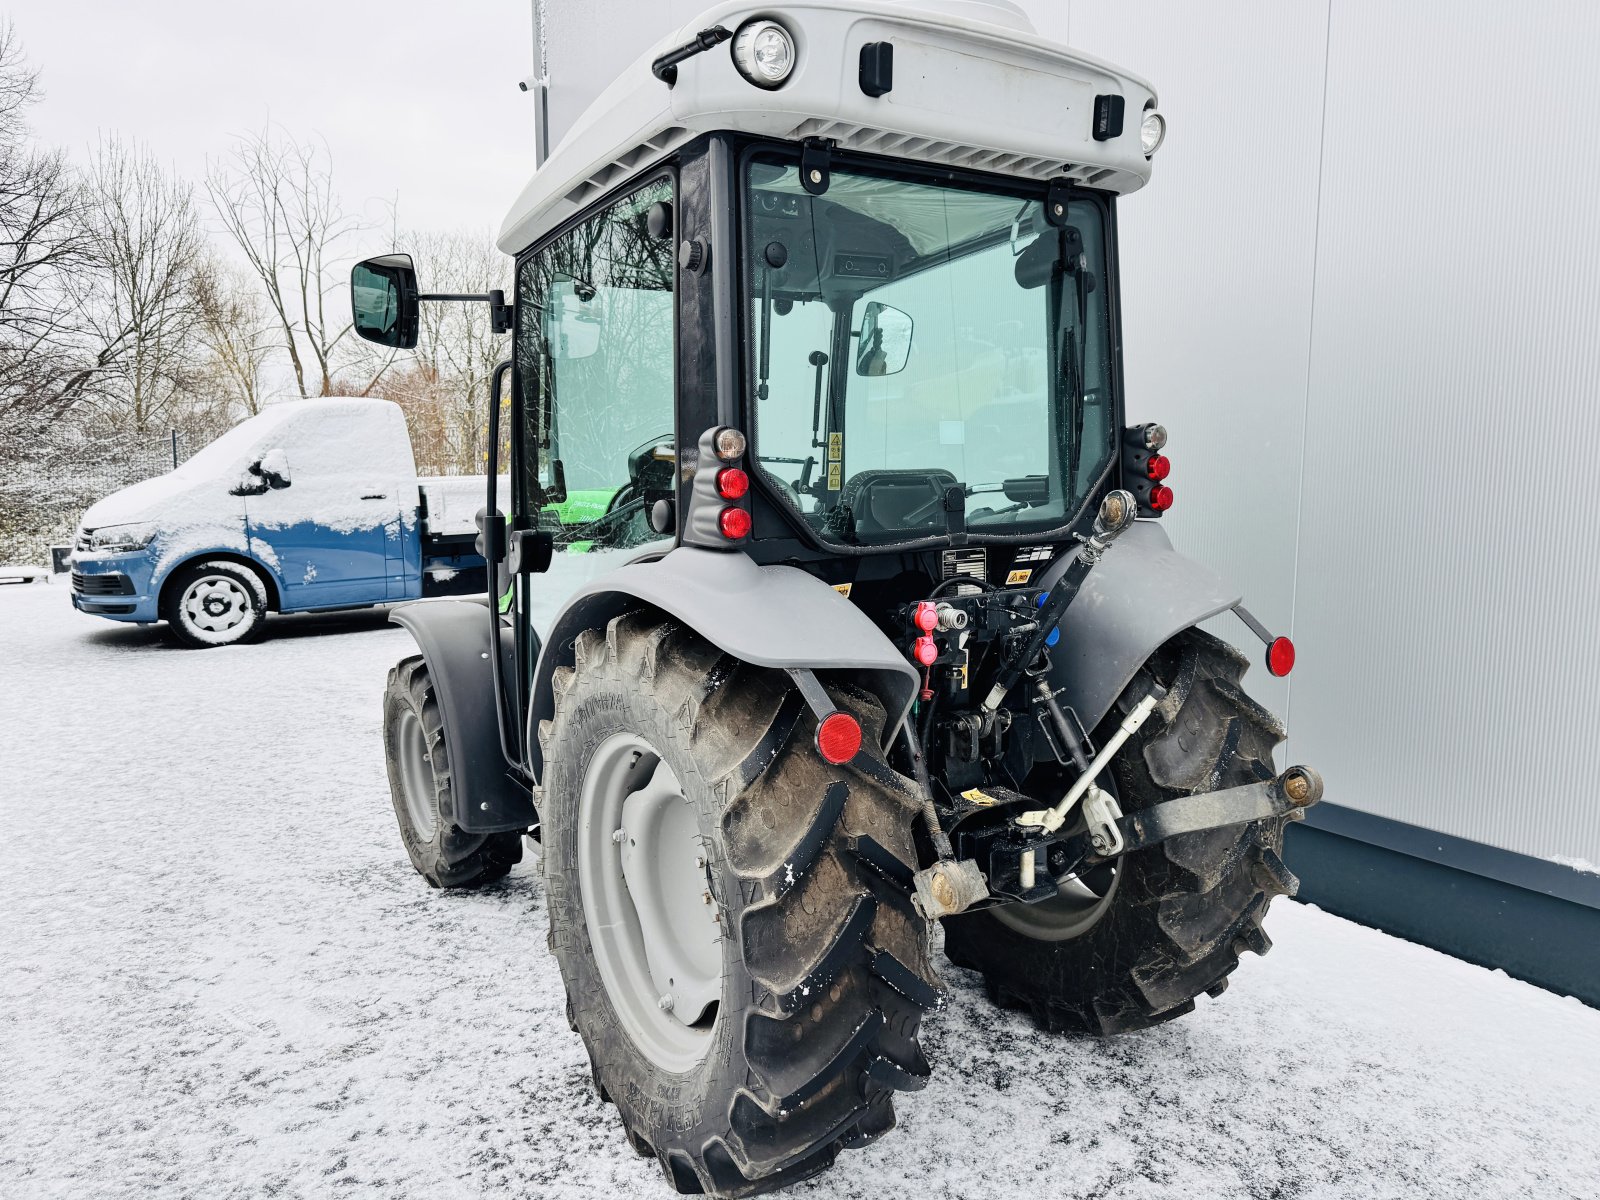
<point>383,300</point>
<point>885,343</point>
<point>273,467</point>
<point>574,316</point>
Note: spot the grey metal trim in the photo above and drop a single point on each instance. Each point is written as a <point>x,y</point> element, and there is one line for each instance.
<point>1530,935</point>
<point>1476,858</point>
<point>1142,593</point>
<point>776,616</point>
<point>453,636</point>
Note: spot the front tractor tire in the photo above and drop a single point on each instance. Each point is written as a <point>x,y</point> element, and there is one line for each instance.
<point>420,785</point>
<point>732,916</point>
<point>1133,943</point>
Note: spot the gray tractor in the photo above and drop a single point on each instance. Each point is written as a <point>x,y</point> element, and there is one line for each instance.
<point>833,599</point>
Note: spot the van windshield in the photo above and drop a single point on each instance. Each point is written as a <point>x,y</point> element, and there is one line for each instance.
<point>910,338</point>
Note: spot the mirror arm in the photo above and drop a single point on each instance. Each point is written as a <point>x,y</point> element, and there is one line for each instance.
<point>500,313</point>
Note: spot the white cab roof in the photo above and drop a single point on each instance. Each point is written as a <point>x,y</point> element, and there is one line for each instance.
<point>974,87</point>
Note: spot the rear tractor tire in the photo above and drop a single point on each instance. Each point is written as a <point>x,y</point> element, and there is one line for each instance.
<point>732,916</point>
<point>1133,943</point>
<point>443,853</point>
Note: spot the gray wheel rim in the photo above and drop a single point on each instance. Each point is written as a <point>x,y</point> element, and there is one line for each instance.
<point>651,920</point>
<point>216,607</point>
<point>1078,905</point>
<point>416,777</point>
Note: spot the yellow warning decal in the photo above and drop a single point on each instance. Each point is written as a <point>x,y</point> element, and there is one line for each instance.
<point>833,475</point>
<point>1019,577</point>
<point>843,589</point>
<point>979,797</point>
<point>835,447</point>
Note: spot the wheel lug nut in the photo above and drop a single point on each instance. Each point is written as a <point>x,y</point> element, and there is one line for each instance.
<point>665,1003</point>
<point>617,835</point>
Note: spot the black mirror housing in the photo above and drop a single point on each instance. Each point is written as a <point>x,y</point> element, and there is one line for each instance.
<point>383,301</point>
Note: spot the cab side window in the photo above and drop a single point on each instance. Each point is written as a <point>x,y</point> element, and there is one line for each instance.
<point>595,365</point>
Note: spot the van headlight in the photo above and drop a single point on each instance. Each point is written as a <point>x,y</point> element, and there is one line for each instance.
<point>119,539</point>
<point>764,52</point>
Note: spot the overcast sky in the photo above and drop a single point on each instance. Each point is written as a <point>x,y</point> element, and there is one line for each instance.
<point>415,99</point>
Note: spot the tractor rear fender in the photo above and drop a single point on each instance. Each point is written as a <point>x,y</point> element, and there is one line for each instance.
<point>453,636</point>
<point>769,616</point>
<point>1142,593</point>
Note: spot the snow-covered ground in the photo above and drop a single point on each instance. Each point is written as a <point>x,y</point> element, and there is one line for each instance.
<point>220,977</point>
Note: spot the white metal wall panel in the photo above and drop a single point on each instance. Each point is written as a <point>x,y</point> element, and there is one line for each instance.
<point>1449,557</point>
<point>1217,257</point>
<point>1440,348</point>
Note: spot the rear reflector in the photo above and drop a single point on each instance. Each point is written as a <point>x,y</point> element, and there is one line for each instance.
<point>1280,656</point>
<point>838,738</point>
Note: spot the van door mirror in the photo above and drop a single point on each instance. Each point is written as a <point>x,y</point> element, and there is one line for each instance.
<point>273,467</point>
<point>383,300</point>
<point>574,317</point>
<point>885,340</point>
<point>267,473</point>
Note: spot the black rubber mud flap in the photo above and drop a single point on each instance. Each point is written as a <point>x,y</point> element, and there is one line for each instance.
<point>454,639</point>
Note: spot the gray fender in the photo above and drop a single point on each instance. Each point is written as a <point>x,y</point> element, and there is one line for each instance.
<point>1140,594</point>
<point>453,636</point>
<point>768,616</point>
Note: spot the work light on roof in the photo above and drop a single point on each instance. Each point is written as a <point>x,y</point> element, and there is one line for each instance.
<point>1151,132</point>
<point>764,52</point>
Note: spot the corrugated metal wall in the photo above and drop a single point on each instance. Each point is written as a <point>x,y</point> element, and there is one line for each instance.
<point>1363,291</point>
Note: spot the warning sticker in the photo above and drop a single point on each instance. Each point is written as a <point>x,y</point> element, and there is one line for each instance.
<point>979,797</point>
<point>1015,577</point>
<point>833,475</point>
<point>843,589</point>
<point>835,447</point>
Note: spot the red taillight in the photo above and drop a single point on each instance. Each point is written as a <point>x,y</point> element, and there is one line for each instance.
<point>1159,466</point>
<point>732,483</point>
<point>1280,656</point>
<point>1161,497</point>
<point>838,738</point>
<point>734,523</point>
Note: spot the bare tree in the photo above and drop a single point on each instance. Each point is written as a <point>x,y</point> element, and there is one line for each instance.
<point>275,199</point>
<point>457,346</point>
<point>237,329</point>
<point>42,240</point>
<point>141,302</point>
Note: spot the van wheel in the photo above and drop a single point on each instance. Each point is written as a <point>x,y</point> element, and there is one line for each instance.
<point>217,603</point>
<point>443,853</point>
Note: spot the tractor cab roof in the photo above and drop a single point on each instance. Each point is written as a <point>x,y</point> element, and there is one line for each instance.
<point>973,87</point>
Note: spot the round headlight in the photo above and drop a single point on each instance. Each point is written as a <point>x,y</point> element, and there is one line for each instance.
<point>764,53</point>
<point>1151,131</point>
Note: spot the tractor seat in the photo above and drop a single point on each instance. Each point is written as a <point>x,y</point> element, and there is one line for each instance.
<point>890,501</point>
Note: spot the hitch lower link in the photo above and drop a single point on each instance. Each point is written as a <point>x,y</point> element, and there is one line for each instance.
<point>1017,862</point>
<point>1025,860</point>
